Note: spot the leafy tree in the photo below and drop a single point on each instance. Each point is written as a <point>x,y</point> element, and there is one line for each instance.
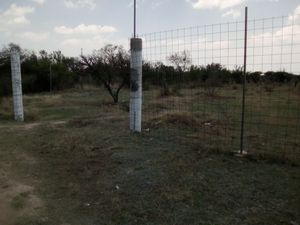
<point>254,77</point>
<point>75,65</point>
<point>180,60</point>
<point>109,66</point>
<point>278,77</point>
<point>35,70</point>
<point>237,75</point>
<point>163,73</point>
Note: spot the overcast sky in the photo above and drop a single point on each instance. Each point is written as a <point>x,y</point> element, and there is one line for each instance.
<point>69,25</point>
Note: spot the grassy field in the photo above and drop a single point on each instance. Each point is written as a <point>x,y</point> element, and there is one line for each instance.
<point>74,162</point>
<point>272,119</point>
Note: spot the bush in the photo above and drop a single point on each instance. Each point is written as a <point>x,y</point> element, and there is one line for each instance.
<point>269,87</point>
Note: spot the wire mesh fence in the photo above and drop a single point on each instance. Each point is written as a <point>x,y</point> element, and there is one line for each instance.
<point>193,81</point>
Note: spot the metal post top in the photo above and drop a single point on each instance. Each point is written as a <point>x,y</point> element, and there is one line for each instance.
<point>136,39</point>
<point>136,44</point>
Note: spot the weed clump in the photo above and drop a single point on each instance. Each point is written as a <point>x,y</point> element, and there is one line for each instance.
<point>183,119</point>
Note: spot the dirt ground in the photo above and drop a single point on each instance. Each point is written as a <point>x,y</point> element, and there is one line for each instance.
<point>75,163</point>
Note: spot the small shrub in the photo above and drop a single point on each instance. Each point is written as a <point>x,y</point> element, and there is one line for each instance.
<point>269,87</point>
<point>210,91</point>
<point>234,87</point>
<point>211,86</point>
<point>213,81</point>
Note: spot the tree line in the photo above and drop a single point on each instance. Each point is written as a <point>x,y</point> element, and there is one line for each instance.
<point>45,72</point>
<point>110,67</point>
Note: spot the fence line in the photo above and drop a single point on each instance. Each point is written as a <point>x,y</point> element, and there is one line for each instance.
<point>274,44</point>
<point>193,85</point>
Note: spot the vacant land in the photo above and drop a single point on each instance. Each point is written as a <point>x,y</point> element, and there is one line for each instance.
<point>74,162</point>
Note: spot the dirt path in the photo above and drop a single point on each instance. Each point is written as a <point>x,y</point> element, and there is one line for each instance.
<point>18,198</point>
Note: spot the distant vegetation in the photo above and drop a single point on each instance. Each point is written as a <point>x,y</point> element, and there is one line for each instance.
<point>109,67</point>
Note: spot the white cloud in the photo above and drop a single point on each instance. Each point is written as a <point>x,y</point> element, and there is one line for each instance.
<point>83,29</point>
<point>72,46</point>
<point>41,2</point>
<point>74,4</point>
<point>34,36</point>
<point>15,15</point>
<point>88,37</point>
<point>219,4</point>
<point>233,13</point>
<point>295,17</point>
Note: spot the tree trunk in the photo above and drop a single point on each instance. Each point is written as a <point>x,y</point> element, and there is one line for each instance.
<point>116,98</point>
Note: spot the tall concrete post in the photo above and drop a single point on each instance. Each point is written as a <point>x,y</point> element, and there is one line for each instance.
<point>136,65</point>
<point>17,85</point>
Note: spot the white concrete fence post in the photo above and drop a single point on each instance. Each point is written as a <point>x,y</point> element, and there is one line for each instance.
<point>136,64</point>
<point>17,85</point>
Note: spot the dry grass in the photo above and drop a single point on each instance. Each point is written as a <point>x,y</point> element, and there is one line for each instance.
<point>185,119</point>
<point>271,120</point>
<point>182,119</point>
<point>6,109</point>
<point>85,167</point>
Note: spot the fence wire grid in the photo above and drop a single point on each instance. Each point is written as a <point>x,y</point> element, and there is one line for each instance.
<point>192,87</point>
